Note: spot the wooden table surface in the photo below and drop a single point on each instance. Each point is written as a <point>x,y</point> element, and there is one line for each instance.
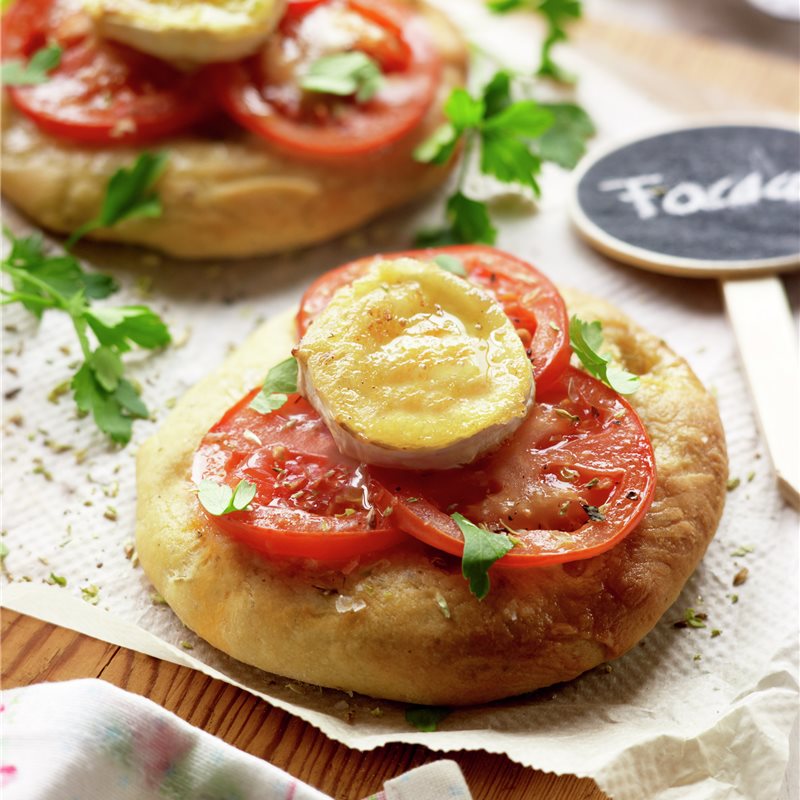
<point>35,651</point>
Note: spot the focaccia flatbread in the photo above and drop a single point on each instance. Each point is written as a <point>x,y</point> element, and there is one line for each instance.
<point>231,196</point>
<point>378,627</point>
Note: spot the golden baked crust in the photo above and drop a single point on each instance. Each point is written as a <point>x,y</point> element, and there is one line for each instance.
<point>231,197</point>
<point>535,628</point>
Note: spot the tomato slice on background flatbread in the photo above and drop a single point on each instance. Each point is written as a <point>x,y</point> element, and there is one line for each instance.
<point>101,93</point>
<point>263,93</point>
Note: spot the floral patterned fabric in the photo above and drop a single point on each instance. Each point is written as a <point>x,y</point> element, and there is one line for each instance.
<point>88,740</point>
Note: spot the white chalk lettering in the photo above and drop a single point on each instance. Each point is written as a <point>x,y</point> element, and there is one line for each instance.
<point>685,198</point>
<point>785,186</point>
<point>635,191</point>
<point>716,191</point>
<point>689,197</point>
<point>747,192</point>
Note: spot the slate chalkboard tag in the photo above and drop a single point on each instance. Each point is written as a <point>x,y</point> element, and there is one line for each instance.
<point>719,200</point>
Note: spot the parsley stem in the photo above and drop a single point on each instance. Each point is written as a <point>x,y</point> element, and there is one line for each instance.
<point>466,157</point>
<point>26,277</point>
<point>80,233</point>
<point>56,300</point>
<point>16,297</point>
<point>80,331</point>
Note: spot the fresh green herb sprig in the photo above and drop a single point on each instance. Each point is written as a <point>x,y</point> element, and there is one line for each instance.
<point>42,281</point>
<point>586,339</point>
<point>426,718</point>
<point>503,129</point>
<point>345,74</point>
<point>41,63</point>
<point>481,549</point>
<point>219,499</point>
<point>514,137</point>
<point>450,263</point>
<point>129,194</point>
<point>280,382</point>
<point>558,14</point>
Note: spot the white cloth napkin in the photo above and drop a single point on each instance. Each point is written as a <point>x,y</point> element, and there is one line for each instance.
<point>89,740</point>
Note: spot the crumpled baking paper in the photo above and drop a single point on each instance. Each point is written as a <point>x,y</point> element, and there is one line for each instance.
<point>683,715</point>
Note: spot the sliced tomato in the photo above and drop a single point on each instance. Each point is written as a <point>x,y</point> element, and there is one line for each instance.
<point>298,8</point>
<point>310,502</point>
<point>23,32</point>
<point>572,481</point>
<point>101,92</point>
<point>263,92</point>
<point>530,300</point>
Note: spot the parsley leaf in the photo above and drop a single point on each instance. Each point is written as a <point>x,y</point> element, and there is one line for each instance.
<point>281,381</point>
<point>503,6</point>
<point>469,222</point>
<point>451,264</point>
<point>558,14</point>
<point>59,274</point>
<point>507,133</point>
<point>439,146</point>
<point>564,143</point>
<point>694,620</point>
<point>219,499</point>
<point>464,110</point>
<point>15,73</point>
<point>122,325</point>
<point>497,93</point>
<point>344,74</point>
<point>129,194</point>
<point>481,549</point>
<point>42,281</point>
<point>586,339</point>
<point>524,118</point>
<point>91,593</point>
<point>426,718</point>
<point>113,409</point>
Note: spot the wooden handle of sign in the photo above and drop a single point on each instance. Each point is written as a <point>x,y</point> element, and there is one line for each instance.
<point>765,332</point>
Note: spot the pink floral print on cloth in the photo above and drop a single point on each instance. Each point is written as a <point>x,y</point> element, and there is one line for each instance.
<point>88,740</point>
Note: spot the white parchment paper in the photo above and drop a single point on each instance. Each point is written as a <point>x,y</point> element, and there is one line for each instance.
<point>684,715</point>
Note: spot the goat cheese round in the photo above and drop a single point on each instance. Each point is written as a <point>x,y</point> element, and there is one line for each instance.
<point>412,366</point>
<point>199,32</point>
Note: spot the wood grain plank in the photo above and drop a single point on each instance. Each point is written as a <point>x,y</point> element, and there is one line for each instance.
<point>762,81</point>
<point>35,651</point>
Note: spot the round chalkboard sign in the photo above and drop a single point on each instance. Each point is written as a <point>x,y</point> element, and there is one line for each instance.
<point>710,200</point>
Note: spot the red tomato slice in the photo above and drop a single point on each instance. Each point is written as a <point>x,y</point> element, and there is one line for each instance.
<point>298,8</point>
<point>311,502</point>
<point>531,301</point>
<point>263,94</point>
<point>101,93</point>
<point>572,481</point>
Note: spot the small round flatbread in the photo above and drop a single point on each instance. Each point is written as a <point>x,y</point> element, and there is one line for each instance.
<point>231,196</point>
<point>378,627</point>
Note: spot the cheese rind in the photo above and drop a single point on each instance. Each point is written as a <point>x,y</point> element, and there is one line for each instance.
<point>411,366</point>
<point>201,31</point>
